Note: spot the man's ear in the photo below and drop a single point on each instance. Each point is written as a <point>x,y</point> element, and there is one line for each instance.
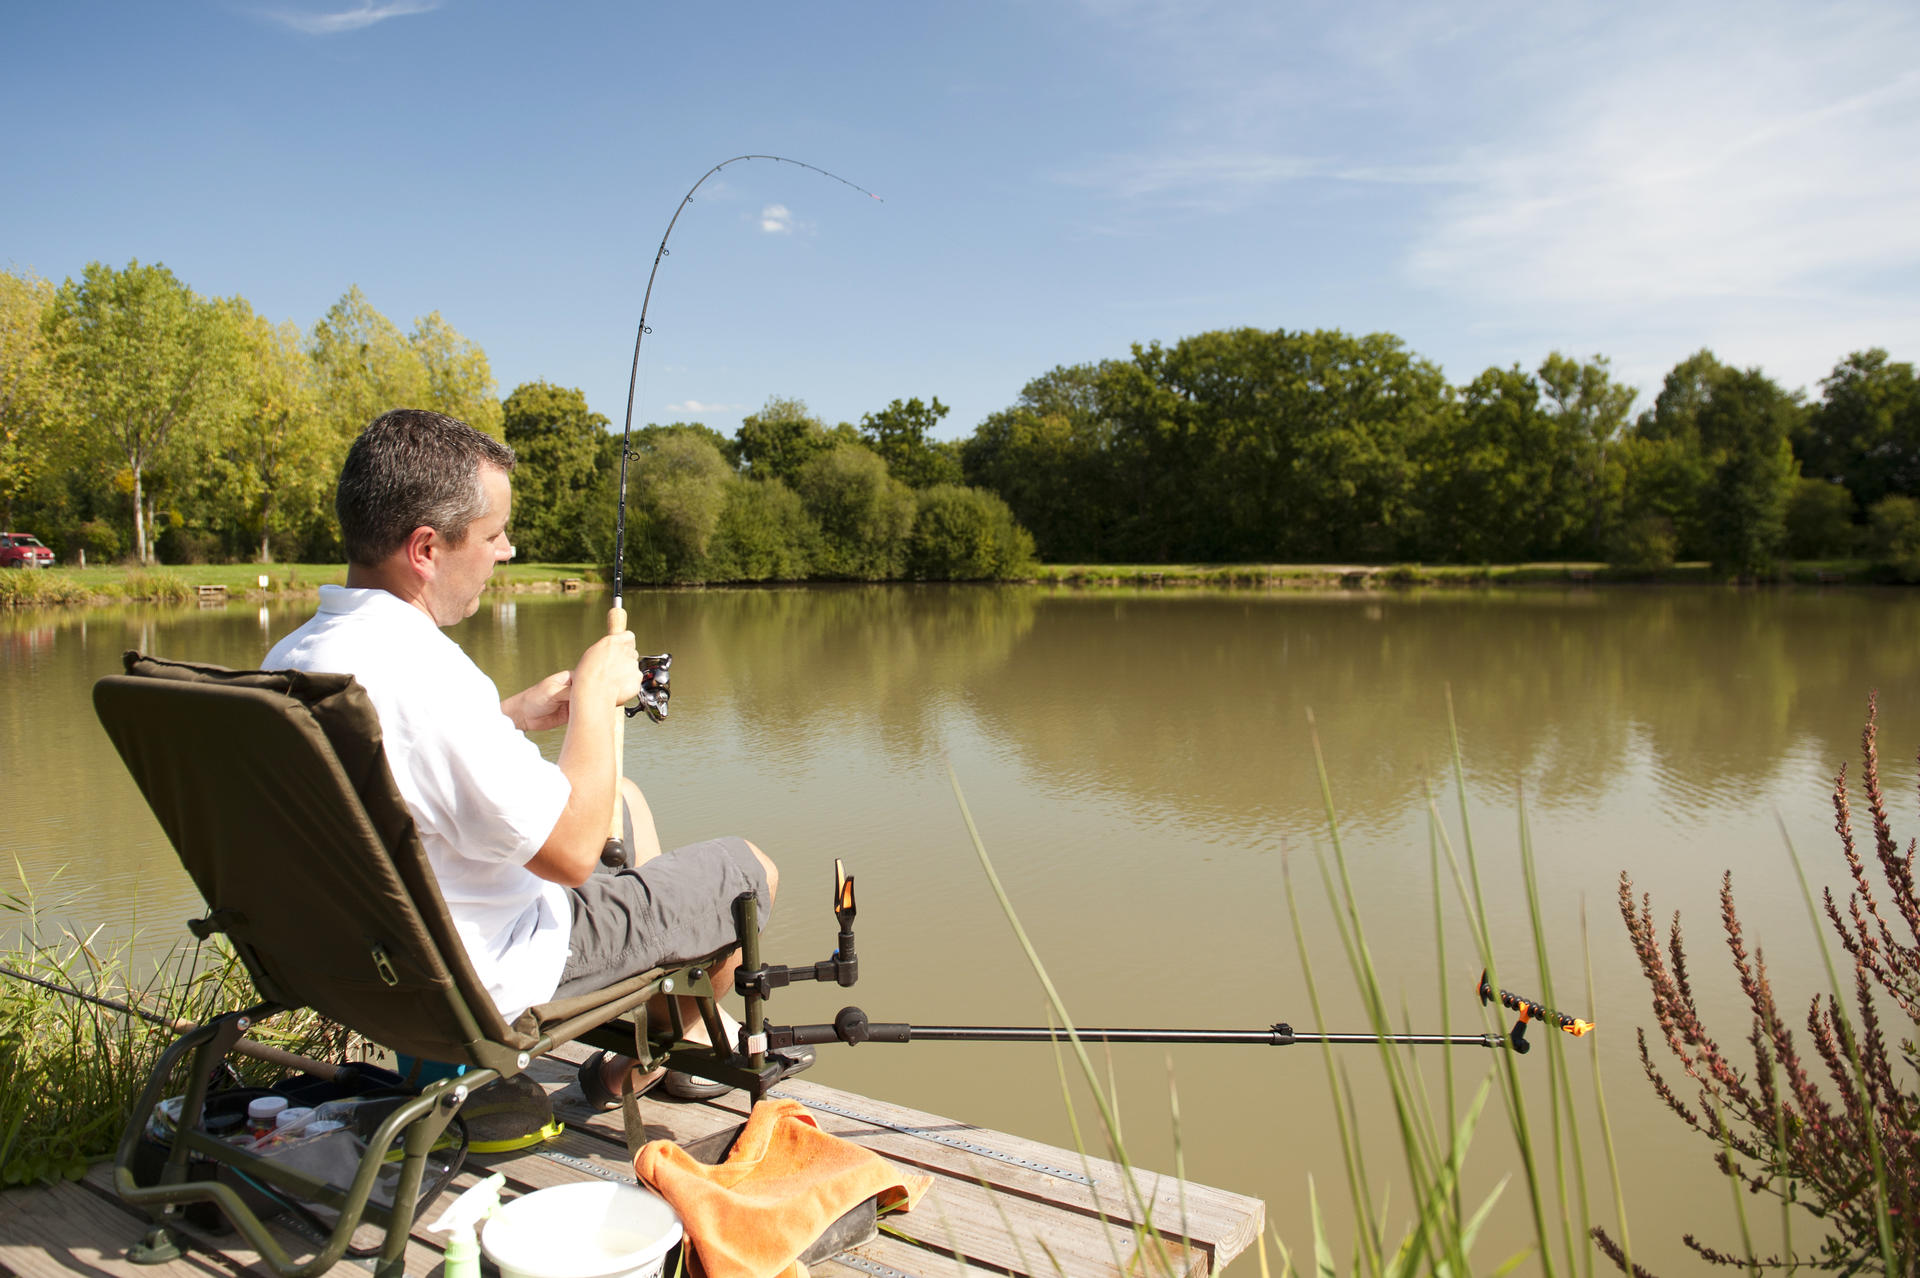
<point>421,551</point>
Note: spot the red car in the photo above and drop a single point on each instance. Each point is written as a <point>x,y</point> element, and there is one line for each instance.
<point>23,550</point>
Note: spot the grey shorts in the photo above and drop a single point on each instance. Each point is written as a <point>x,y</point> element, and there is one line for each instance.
<point>676,907</point>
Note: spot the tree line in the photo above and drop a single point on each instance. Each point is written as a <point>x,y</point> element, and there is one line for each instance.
<point>1250,445</point>
<point>140,420</point>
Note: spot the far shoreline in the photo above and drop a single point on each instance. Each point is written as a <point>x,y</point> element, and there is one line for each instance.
<point>104,586</point>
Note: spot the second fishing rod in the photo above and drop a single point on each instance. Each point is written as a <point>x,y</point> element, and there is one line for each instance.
<point>758,1060</point>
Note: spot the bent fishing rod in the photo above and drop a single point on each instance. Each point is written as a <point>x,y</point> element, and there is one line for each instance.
<point>655,671</point>
<point>761,1062</point>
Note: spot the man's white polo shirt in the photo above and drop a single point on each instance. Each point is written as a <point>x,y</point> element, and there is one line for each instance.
<point>481,794</point>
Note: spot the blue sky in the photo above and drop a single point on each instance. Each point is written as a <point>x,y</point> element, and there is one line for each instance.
<point>1490,182</point>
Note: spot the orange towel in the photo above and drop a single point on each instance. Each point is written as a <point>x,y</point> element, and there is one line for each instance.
<point>784,1183</point>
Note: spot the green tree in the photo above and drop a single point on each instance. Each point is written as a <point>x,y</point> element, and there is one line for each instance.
<point>1819,519</point>
<point>268,468</point>
<point>1746,432</point>
<point>459,381</point>
<point>777,441</point>
<point>1659,482</point>
<point>561,446</point>
<point>764,534</point>
<point>1592,410</point>
<point>26,388</point>
<point>965,534</point>
<point>1253,445</point>
<point>864,514</point>
<point>1509,480</point>
<point>1865,431</point>
<point>1716,454</point>
<point>1893,535</point>
<point>902,434</point>
<point>1050,458</point>
<point>363,366</point>
<point>678,487</point>
<point>141,359</point>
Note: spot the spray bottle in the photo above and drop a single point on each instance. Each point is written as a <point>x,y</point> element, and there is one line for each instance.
<point>459,1222</point>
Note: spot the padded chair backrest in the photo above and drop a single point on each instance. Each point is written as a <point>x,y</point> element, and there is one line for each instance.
<point>274,789</point>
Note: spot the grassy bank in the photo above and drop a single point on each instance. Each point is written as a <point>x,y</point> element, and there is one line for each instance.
<point>120,583</point>
<point>1377,576</point>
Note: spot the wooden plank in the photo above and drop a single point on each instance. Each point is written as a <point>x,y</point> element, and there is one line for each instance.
<point>1213,1216</point>
<point>960,1217</point>
<point>231,1250</point>
<point>901,1257</point>
<point>66,1230</point>
<point>1220,1223</point>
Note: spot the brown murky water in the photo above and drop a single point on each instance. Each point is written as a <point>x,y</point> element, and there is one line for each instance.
<point>1141,769</point>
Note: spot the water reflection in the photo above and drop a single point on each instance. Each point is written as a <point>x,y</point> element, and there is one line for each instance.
<point>1189,709</point>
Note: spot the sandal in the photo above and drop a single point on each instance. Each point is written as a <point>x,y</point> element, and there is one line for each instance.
<point>681,1085</point>
<point>593,1086</point>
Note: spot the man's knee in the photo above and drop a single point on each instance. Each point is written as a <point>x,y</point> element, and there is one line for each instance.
<point>766,863</point>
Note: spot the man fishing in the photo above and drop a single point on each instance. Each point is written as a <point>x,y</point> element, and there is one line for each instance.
<point>515,841</point>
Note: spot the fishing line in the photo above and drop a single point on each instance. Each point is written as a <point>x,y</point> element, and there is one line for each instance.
<point>626,429</point>
<point>654,686</point>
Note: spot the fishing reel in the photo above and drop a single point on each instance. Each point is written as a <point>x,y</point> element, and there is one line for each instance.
<point>655,672</point>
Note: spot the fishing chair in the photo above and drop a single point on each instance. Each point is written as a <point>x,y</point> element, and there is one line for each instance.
<point>274,789</point>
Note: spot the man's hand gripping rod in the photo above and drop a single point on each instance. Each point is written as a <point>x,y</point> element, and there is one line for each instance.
<point>655,674</point>
<point>760,1043</point>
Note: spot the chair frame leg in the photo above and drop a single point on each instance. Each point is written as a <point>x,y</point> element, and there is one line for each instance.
<point>418,1122</point>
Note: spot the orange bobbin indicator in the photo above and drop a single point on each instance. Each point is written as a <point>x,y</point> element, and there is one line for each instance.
<point>1529,1011</point>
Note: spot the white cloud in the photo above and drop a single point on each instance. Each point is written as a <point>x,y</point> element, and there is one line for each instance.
<point>1637,178</point>
<point>1697,181</point>
<point>366,14</point>
<point>776,219</point>
<point>1689,180</point>
<point>695,407</point>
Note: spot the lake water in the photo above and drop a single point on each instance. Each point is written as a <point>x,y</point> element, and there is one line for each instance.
<point>1141,769</point>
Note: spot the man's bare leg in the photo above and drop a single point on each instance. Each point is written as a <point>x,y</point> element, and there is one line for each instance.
<point>646,837</point>
<point>620,1072</point>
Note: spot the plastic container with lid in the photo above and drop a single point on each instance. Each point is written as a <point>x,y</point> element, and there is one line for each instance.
<point>293,1116</point>
<point>263,1112</point>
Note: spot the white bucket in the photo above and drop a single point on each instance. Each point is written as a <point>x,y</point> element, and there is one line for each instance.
<point>594,1229</point>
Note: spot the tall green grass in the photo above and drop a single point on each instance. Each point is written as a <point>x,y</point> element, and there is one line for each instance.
<point>21,588</point>
<point>71,1069</point>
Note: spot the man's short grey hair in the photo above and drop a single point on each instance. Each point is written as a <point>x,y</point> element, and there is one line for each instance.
<point>412,468</point>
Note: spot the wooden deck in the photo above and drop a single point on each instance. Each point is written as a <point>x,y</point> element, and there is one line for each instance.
<point>999,1204</point>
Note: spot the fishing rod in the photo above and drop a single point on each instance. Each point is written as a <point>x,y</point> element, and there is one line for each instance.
<point>246,1046</point>
<point>760,1061</point>
<point>655,671</point>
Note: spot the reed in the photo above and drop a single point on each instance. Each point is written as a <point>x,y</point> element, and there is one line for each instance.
<point>70,1069</point>
<point>160,585</point>
<point>21,588</point>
